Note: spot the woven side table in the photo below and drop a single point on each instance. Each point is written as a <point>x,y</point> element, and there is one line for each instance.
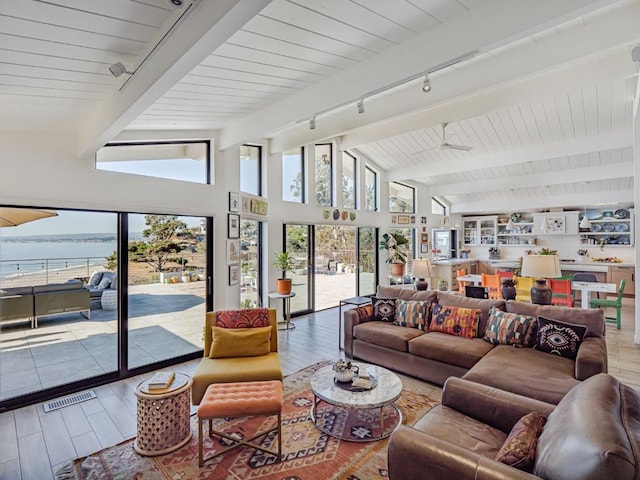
<point>109,299</point>
<point>163,419</point>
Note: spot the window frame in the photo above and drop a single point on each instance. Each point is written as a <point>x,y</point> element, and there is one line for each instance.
<point>413,198</point>
<point>331,175</point>
<point>354,180</point>
<point>303,175</point>
<point>375,189</point>
<point>258,167</point>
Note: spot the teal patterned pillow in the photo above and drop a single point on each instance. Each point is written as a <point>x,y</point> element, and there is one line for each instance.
<point>505,328</point>
<point>412,313</point>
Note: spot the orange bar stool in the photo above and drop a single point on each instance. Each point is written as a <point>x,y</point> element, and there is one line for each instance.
<point>235,400</point>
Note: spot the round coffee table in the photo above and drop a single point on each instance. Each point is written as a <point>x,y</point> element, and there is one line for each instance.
<point>370,406</point>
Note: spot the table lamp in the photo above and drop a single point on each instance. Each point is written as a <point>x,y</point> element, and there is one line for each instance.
<point>421,270</point>
<point>541,267</point>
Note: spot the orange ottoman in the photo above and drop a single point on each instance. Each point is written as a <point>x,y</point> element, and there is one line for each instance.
<point>243,399</point>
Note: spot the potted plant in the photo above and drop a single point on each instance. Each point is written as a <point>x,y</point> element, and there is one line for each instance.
<point>396,258</point>
<point>286,263</point>
<point>509,288</point>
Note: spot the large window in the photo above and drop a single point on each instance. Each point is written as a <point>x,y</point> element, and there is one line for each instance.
<point>250,272</point>
<point>437,207</point>
<point>371,189</point>
<point>349,190</point>
<point>401,198</point>
<point>250,169</point>
<point>293,176</point>
<point>185,161</point>
<point>324,175</point>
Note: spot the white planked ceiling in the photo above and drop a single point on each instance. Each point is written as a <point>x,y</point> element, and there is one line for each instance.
<point>546,103</point>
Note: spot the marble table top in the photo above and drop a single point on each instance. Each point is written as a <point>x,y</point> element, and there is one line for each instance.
<point>387,391</point>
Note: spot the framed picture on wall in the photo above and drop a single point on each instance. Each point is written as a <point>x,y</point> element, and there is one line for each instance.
<point>424,248</point>
<point>424,237</point>
<point>234,202</point>
<point>234,274</point>
<point>555,224</point>
<point>233,225</point>
<point>233,251</point>
<point>404,219</point>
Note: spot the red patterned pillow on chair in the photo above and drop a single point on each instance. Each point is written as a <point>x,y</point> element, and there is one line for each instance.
<point>254,317</point>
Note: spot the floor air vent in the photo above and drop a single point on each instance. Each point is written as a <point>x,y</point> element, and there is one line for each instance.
<point>66,401</point>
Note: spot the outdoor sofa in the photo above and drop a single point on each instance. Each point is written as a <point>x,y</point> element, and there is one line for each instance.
<point>434,356</point>
<point>32,303</point>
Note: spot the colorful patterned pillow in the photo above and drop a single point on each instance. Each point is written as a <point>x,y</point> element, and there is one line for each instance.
<point>254,317</point>
<point>384,309</point>
<point>364,312</point>
<point>505,328</point>
<point>412,313</point>
<point>519,449</point>
<point>459,321</point>
<point>559,338</point>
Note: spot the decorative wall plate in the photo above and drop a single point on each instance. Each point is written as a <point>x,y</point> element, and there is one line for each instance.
<point>596,227</point>
<point>608,227</point>
<point>621,213</point>
<point>622,227</point>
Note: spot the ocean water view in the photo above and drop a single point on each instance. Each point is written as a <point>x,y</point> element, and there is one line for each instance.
<point>36,254</point>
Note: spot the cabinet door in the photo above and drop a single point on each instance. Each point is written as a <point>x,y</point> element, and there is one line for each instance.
<point>628,273</point>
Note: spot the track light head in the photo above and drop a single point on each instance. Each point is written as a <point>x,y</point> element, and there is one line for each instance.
<point>360,106</point>
<point>312,123</point>
<point>118,69</point>
<point>426,84</point>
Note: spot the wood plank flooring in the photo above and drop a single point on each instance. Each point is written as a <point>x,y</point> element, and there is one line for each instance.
<point>34,444</point>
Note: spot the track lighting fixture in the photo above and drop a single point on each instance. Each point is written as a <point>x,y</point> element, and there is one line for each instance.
<point>118,69</point>
<point>360,106</point>
<point>312,123</point>
<point>426,84</point>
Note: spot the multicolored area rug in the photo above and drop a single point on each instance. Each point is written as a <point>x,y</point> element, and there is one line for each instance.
<point>309,454</point>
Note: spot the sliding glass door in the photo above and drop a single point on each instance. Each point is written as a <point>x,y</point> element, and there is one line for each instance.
<point>298,243</point>
<point>367,259</point>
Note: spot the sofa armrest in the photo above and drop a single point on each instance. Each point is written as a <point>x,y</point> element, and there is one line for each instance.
<point>352,318</point>
<point>495,407</point>
<point>591,358</point>
<point>415,455</point>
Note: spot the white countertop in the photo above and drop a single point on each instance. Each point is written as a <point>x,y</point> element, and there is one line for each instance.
<point>454,261</point>
<point>570,266</point>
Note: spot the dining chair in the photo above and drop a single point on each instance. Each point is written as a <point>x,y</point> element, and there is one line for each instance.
<point>561,292</point>
<point>523,288</point>
<point>493,283</point>
<point>617,304</point>
<point>504,275</point>
<point>462,283</point>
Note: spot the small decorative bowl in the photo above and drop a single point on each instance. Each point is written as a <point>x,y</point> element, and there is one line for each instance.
<point>344,375</point>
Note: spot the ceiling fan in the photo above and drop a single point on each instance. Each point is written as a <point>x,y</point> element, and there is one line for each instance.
<point>451,146</point>
<point>445,145</point>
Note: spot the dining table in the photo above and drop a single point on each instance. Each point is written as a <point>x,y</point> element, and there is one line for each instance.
<point>587,287</point>
<point>474,278</point>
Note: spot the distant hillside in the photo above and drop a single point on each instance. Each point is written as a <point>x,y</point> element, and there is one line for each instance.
<point>70,237</point>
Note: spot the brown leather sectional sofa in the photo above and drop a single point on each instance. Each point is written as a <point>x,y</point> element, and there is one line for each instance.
<point>435,357</point>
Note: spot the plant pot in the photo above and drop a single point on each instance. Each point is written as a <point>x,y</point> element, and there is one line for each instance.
<point>509,293</point>
<point>186,278</point>
<point>344,375</point>
<point>284,286</point>
<point>396,269</point>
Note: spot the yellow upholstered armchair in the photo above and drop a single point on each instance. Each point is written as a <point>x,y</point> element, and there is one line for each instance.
<point>244,349</point>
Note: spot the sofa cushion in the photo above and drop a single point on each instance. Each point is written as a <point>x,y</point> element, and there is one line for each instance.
<point>506,328</point>
<point>459,321</point>
<point>245,318</point>
<point>593,433</point>
<point>412,313</point>
<point>386,335</point>
<point>95,278</point>
<point>519,449</point>
<point>458,429</point>
<point>450,349</point>
<point>483,305</point>
<point>384,309</point>
<point>559,338</point>
<point>525,371</point>
<point>104,283</point>
<point>592,318</point>
<point>406,294</point>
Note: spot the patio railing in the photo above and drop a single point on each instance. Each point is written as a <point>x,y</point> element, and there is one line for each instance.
<point>38,271</point>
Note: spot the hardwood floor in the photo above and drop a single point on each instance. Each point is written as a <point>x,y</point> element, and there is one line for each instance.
<point>35,444</point>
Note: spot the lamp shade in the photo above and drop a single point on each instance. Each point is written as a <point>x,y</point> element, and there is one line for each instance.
<point>541,266</point>
<point>421,268</point>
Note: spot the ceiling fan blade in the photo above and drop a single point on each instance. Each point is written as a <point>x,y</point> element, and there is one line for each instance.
<point>453,146</point>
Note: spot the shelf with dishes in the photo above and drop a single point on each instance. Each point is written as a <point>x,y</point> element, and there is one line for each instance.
<point>608,228</point>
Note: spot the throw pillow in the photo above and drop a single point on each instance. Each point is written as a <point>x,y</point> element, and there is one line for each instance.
<point>519,449</point>
<point>366,311</point>
<point>384,309</point>
<point>459,321</point>
<point>505,328</point>
<point>240,342</point>
<point>104,283</point>
<point>559,338</point>
<point>253,317</point>
<point>412,314</point>
<point>95,278</point>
